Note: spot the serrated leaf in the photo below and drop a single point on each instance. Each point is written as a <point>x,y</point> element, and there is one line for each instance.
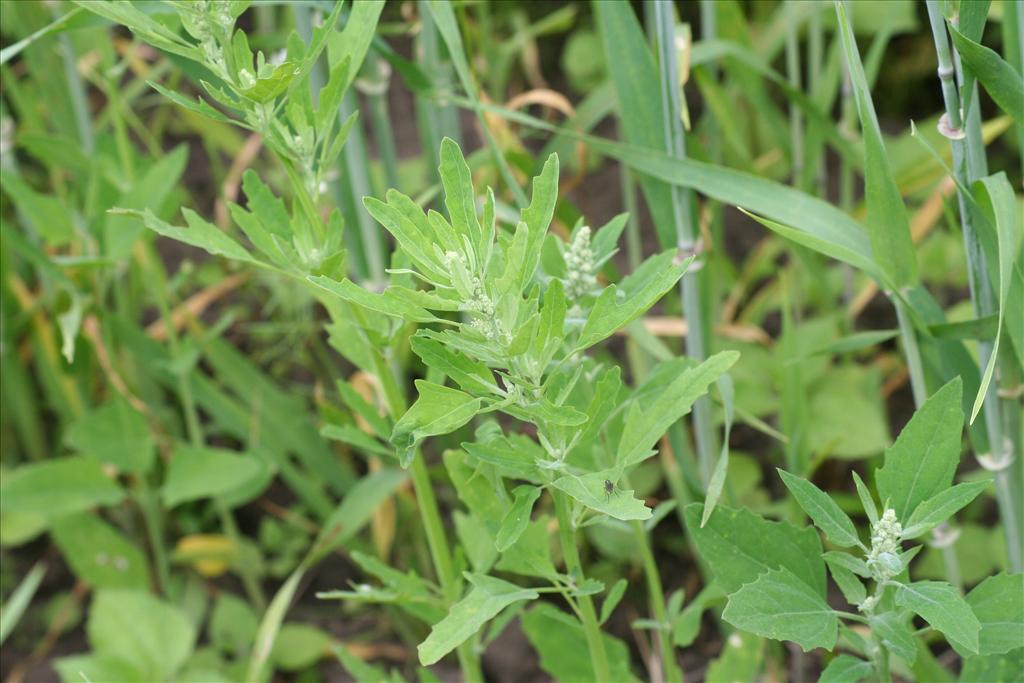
<point>739,546</point>
<point>517,518</point>
<point>200,233</point>
<point>780,605</point>
<point>941,507</point>
<point>822,510</point>
<point>487,597</point>
<point>643,427</point>
<point>939,603</point>
<point>922,461</point>
<point>617,306</point>
<point>589,490</point>
<point>438,410</point>
<point>998,603</point>
<point>385,303</point>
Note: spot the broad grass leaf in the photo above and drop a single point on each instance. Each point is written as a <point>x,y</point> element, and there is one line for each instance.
<point>846,669</point>
<point>114,433</point>
<point>995,196</point>
<point>644,426</point>
<point>356,508</point>
<point>942,606</point>
<point>781,606</point>
<point>739,546</point>
<point>887,222</point>
<point>559,640</point>
<point>134,626</point>
<point>940,507</point>
<point>200,472</point>
<point>57,487</point>
<point>515,521</point>
<point>822,510</point>
<point>998,603</point>
<point>438,410</point>
<point>924,458</point>
<point>270,625</point>
<point>1000,80</point>
<point>99,554</point>
<point>589,490</point>
<point>485,600</point>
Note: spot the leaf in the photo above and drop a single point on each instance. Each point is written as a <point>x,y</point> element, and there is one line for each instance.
<point>537,216</point>
<point>517,518</point>
<point>136,627</point>
<point>299,646</point>
<point>1008,668</point>
<point>470,374</point>
<point>458,194</point>
<point>386,303</point>
<point>995,197</point>
<point>846,669</point>
<point>99,554</point>
<point>199,472</point>
<point>270,625</point>
<point>741,659</point>
<point>200,233</point>
<point>233,624</point>
<point>645,425</point>
<point>487,597</point>
<point>822,510</point>
<point>45,213</point>
<point>739,546</point>
<point>717,479</point>
<point>560,641</point>
<point>780,605</point>
<point>887,223</point>
<point>589,490</point>
<point>998,603</point>
<point>1000,80</point>
<point>849,562</point>
<point>941,507</point>
<point>356,509</point>
<point>612,600</point>
<point>850,586</point>
<point>57,487</point>
<point>895,633</point>
<point>114,433</point>
<point>437,410</point>
<point>866,501</point>
<point>939,603</point>
<point>617,306</point>
<point>19,600</point>
<point>922,461</point>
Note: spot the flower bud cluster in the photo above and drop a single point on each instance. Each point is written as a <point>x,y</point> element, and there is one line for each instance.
<point>883,559</point>
<point>579,266</point>
<point>475,298</point>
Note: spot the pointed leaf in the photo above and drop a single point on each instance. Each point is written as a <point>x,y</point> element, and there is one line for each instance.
<point>438,410</point>
<point>939,603</point>
<point>822,510</point>
<point>941,507</point>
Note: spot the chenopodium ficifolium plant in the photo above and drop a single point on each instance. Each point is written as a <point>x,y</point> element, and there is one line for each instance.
<point>507,316</point>
<point>271,96</point>
<point>774,573</point>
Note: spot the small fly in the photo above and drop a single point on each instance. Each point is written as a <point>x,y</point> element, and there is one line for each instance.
<point>609,488</point>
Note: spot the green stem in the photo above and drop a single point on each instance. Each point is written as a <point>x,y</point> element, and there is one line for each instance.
<point>570,552</point>
<point>968,165</point>
<point>796,125</point>
<point>437,541</point>
<point>912,352</point>
<point>656,595</point>
<point>882,662</point>
<point>150,506</point>
<point>663,26</point>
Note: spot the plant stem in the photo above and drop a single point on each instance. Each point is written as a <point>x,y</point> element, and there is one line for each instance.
<point>796,127</point>
<point>663,26</point>
<point>437,541</point>
<point>591,629</point>
<point>912,352</point>
<point>882,662</point>
<point>968,165</point>
<point>656,595</point>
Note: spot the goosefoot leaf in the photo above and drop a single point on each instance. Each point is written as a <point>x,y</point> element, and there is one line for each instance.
<point>822,510</point>
<point>437,410</point>
<point>782,606</point>
<point>939,603</point>
<point>941,507</point>
<point>487,597</point>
